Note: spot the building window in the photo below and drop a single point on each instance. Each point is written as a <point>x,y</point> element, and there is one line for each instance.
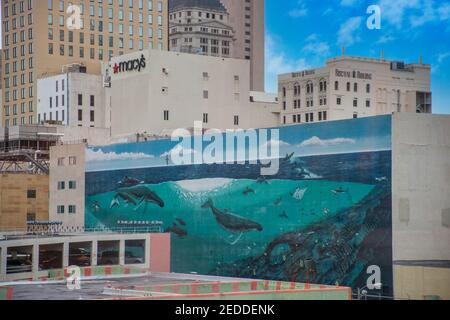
<point>60,162</point>
<point>80,99</point>
<point>336,85</point>
<point>338,101</point>
<point>72,185</point>
<point>31,217</point>
<point>72,161</point>
<point>236,120</point>
<point>31,194</point>
<point>166,115</point>
<point>72,209</point>
<point>80,115</point>
<point>205,118</point>
<point>355,115</point>
<point>60,209</point>
<point>92,118</point>
<point>205,94</point>
<point>61,185</point>
<point>355,87</point>
<point>348,86</point>
<point>368,103</point>
<point>92,101</point>
<point>355,103</point>
<point>368,88</point>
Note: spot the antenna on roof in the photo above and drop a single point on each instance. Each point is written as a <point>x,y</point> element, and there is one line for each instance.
<point>421,59</point>
<point>343,51</point>
<point>382,54</point>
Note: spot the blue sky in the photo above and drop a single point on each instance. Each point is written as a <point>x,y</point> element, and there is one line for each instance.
<point>302,34</point>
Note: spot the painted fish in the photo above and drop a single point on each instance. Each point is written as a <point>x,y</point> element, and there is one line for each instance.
<point>283,215</point>
<point>177,230</point>
<point>277,202</point>
<point>181,221</point>
<point>247,191</point>
<point>231,221</point>
<point>299,193</point>
<point>339,190</point>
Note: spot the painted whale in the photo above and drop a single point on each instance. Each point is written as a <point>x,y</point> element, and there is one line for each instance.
<point>125,197</point>
<point>231,221</point>
<point>129,182</point>
<point>143,194</point>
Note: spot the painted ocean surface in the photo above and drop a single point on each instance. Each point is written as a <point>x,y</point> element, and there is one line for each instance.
<point>314,221</point>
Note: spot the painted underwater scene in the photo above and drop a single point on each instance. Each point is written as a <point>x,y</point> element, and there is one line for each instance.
<point>322,219</point>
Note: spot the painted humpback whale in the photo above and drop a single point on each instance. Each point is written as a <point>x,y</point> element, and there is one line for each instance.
<point>143,194</point>
<point>231,221</point>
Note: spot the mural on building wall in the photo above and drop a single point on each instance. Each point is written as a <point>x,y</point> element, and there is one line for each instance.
<point>325,217</point>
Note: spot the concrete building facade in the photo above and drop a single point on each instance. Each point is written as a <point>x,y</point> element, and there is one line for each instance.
<point>170,90</point>
<point>67,185</point>
<point>23,198</point>
<point>224,28</point>
<point>38,40</point>
<point>352,87</point>
<point>73,99</point>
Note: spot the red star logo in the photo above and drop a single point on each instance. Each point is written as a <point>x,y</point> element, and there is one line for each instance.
<point>116,68</point>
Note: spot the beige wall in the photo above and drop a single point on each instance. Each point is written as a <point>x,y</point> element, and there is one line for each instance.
<point>421,205</point>
<point>420,283</point>
<point>67,172</point>
<point>238,11</point>
<point>14,204</point>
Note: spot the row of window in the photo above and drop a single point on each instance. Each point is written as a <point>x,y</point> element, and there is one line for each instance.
<point>140,5</point>
<point>198,14</point>
<point>23,121</point>
<point>72,209</point>
<point>307,117</point>
<point>62,185</point>
<point>92,23</point>
<point>205,118</point>
<point>23,109</point>
<point>62,161</point>
<point>323,87</point>
<point>43,117</point>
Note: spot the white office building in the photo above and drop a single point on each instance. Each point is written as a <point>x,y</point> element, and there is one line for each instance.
<point>155,92</point>
<point>352,87</point>
<point>73,98</point>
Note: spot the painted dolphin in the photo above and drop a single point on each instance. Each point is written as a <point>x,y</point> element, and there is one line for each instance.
<point>288,157</point>
<point>231,221</point>
<point>144,195</point>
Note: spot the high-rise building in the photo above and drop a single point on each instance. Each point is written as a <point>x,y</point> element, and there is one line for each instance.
<point>225,28</point>
<point>40,38</point>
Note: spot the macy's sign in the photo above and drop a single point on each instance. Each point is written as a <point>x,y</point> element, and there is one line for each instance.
<point>130,65</point>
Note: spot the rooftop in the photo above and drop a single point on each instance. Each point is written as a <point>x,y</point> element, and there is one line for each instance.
<point>214,5</point>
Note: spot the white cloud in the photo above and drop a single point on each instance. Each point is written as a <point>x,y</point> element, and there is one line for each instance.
<point>275,144</point>
<point>385,39</point>
<point>315,46</point>
<point>99,155</point>
<point>316,141</point>
<point>300,11</point>
<point>347,34</point>
<point>177,151</point>
<point>277,62</point>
